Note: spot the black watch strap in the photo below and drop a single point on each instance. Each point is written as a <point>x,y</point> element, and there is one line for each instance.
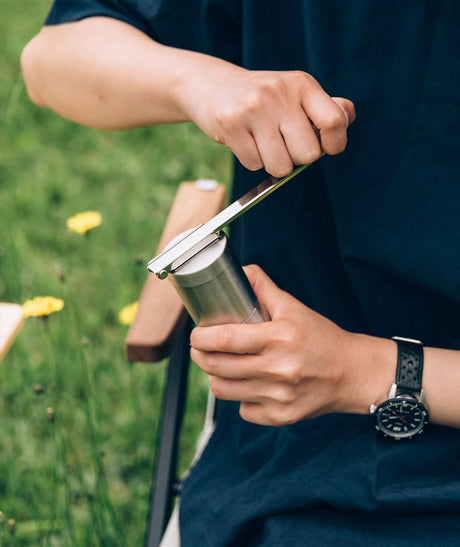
<point>410,364</point>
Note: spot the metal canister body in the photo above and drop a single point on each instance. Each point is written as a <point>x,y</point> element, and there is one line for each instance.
<point>214,288</point>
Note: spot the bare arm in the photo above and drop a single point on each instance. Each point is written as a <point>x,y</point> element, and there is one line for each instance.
<point>300,365</point>
<point>107,74</point>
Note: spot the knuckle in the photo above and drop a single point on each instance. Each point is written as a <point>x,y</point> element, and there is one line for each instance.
<point>305,78</point>
<point>227,121</point>
<point>236,113</point>
<point>299,75</point>
<point>227,336</point>
<point>301,79</point>
<point>287,79</point>
<point>292,374</point>
<point>336,119</point>
<point>282,85</point>
<point>252,100</point>
<point>288,376</point>
<point>286,336</point>
<point>209,361</point>
<point>270,84</point>
<point>285,395</point>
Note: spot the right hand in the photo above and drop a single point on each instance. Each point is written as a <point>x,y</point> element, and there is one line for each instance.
<point>269,119</point>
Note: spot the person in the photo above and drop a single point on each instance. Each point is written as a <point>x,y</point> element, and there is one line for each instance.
<point>360,247</point>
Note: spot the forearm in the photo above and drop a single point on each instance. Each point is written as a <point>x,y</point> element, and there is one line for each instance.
<point>441,382</point>
<point>104,73</point>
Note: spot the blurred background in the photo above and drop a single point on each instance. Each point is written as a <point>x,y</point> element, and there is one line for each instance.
<point>78,422</point>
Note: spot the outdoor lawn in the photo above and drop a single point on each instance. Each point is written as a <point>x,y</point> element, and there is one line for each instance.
<point>79,422</point>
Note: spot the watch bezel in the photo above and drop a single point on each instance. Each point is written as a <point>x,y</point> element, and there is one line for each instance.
<point>401,399</point>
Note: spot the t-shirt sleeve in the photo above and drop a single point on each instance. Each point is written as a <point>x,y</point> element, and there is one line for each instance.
<point>208,26</point>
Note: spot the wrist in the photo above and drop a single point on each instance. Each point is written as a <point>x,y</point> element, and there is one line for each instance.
<point>374,364</point>
<point>403,414</point>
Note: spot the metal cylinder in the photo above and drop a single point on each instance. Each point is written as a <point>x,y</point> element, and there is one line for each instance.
<point>214,288</point>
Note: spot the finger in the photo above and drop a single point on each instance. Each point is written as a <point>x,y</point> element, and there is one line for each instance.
<point>244,146</point>
<point>301,140</point>
<point>348,108</point>
<point>330,119</point>
<point>274,300</point>
<point>274,397</point>
<point>272,150</point>
<point>227,365</point>
<point>254,413</point>
<point>233,338</point>
<point>268,414</point>
<point>237,390</point>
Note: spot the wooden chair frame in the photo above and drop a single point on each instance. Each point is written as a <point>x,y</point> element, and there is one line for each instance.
<point>161,329</point>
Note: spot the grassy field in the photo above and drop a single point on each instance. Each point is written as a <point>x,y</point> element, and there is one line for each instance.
<point>78,422</point>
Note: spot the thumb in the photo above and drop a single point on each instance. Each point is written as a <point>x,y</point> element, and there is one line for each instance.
<point>270,296</point>
<point>348,108</point>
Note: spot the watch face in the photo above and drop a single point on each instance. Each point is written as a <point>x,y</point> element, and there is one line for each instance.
<point>401,417</point>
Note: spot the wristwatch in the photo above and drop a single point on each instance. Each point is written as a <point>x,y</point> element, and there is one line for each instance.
<point>404,414</point>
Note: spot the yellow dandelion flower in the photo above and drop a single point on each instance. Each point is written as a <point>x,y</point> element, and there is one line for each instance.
<point>50,414</point>
<point>82,222</point>
<point>128,313</point>
<point>41,305</point>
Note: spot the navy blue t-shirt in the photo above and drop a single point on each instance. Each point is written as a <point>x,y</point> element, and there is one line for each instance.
<point>369,238</point>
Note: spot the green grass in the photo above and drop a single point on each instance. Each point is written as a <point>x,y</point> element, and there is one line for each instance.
<point>78,422</point>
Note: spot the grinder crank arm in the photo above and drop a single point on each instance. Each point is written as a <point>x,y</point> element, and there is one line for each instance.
<point>205,234</point>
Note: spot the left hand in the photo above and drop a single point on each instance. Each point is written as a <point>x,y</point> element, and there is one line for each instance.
<point>297,365</point>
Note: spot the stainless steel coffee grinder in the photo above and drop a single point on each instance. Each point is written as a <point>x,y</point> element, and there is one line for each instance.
<point>213,286</point>
<point>204,270</point>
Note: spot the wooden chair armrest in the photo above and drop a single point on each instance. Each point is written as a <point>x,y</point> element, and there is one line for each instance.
<point>161,315</point>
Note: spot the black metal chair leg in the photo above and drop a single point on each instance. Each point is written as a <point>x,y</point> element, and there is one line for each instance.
<point>164,486</point>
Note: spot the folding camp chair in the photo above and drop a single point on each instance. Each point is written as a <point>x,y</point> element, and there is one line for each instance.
<point>161,329</point>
